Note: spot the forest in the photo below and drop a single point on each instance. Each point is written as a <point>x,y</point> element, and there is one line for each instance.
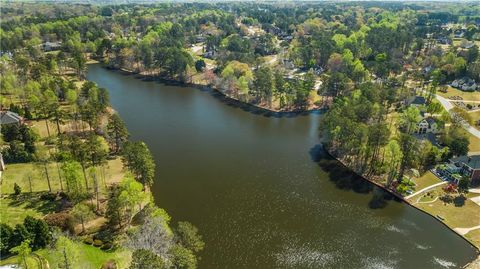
<point>362,64</point>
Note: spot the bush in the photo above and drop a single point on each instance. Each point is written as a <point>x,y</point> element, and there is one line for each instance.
<point>106,246</point>
<point>97,243</point>
<point>16,189</point>
<point>48,196</point>
<point>61,220</point>
<point>88,241</point>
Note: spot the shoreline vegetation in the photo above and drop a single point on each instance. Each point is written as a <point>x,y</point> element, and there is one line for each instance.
<point>376,68</point>
<point>300,111</point>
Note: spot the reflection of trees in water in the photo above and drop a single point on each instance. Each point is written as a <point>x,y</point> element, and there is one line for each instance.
<point>345,179</point>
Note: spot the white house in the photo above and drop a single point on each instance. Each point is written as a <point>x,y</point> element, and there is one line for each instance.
<point>427,125</point>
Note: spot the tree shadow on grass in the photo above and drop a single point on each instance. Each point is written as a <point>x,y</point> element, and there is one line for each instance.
<point>34,201</point>
<point>345,179</point>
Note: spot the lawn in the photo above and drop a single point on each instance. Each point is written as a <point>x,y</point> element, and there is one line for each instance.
<point>470,96</point>
<point>474,117</point>
<point>474,236</point>
<point>15,208</point>
<point>89,257</point>
<point>455,216</point>
<point>20,172</point>
<point>426,180</point>
<point>474,143</point>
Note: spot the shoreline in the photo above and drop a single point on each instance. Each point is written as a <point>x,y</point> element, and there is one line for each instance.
<point>271,112</point>
<point>232,99</point>
<point>402,199</point>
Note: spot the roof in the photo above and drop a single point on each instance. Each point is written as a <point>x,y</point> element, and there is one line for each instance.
<point>418,100</point>
<point>471,161</point>
<point>8,117</point>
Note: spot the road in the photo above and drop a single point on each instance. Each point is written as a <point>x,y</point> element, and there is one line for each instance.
<point>425,189</point>
<point>446,103</point>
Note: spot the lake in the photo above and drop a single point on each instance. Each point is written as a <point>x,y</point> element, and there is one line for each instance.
<point>261,191</point>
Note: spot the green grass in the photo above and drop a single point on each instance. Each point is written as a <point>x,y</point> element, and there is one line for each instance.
<point>455,216</point>
<point>18,173</point>
<point>469,96</point>
<point>474,143</point>
<point>426,180</point>
<point>474,236</point>
<point>88,257</point>
<point>15,208</point>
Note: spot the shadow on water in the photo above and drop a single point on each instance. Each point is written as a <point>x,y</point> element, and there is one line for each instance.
<point>346,179</point>
<point>222,98</point>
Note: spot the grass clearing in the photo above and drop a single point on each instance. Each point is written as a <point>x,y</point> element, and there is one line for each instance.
<point>426,180</point>
<point>89,257</point>
<point>455,216</point>
<point>474,143</point>
<point>469,96</point>
<point>15,208</point>
<point>474,236</point>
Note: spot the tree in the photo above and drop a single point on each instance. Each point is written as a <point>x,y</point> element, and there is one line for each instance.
<point>200,65</point>
<point>131,196</point>
<point>16,189</point>
<point>154,235</point>
<point>82,213</point>
<point>23,251</point>
<point>188,236</point>
<point>263,83</point>
<point>19,235</point>
<point>464,184</point>
<point>142,258</point>
<point>97,150</point>
<point>183,258</point>
<point>68,252</point>
<point>137,158</point>
<point>117,132</point>
<point>43,159</point>
<point>71,172</point>
<point>6,233</point>
<point>39,231</point>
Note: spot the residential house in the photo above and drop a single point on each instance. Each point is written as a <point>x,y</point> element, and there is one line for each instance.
<point>465,84</point>
<point>427,125</point>
<point>51,46</point>
<point>9,117</point>
<point>468,166</point>
<point>416,101</point>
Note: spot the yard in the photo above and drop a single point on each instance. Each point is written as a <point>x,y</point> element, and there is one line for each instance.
<point>23,173</point>
<point>89,256</point>
<point>469,96</point>
<point>426,180</point>
<point>474,143</point>
<point>455,216</point>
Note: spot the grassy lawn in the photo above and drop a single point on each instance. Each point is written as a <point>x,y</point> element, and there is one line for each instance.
<point>88,257</point>
<point>474,143</point>
<point>455,216</point>
<point>15,209</point>
<point>19,173</point>
<point>470,96</point>
<point>474,236</point>
<point>426,180</point>
<point>475,117</point>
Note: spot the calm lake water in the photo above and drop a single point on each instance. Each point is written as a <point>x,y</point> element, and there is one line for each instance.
<point>260,190</point>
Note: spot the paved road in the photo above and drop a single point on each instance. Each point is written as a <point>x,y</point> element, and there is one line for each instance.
<point>448,106</point>
<point>425,189</point>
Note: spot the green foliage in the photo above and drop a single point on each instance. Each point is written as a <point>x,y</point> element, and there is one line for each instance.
<point>137,158</point>
<point>188,236</point>
<point>183,258</point>
<point>142,258</point>
<point>16,189</point>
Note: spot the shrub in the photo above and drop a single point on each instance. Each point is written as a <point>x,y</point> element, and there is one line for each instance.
<point>97,243</point>
<point>88,241</point>
<point>48,196</point>
<point>16,189</point>
<point>62,220</point>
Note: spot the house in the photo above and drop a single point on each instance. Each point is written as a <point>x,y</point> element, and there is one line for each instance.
<point>416,101</point>
<point>468,166</point>
<point>427,125</point>
<point>51,46</point>
<point>465,84</point>
<point>9,117</point>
